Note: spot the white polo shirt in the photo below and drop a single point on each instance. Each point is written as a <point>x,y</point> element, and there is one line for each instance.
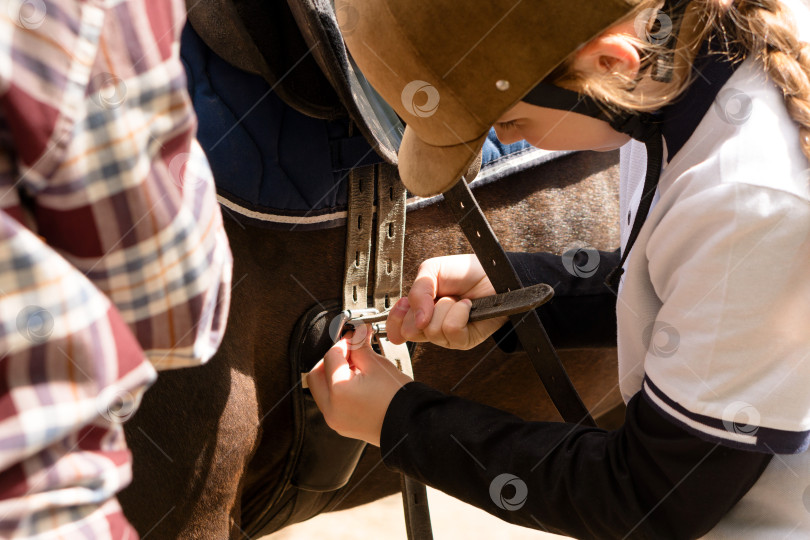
<point>714,306</point>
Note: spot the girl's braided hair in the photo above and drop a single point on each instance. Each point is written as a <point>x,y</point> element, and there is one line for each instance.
<point>766,29</point>
<point>763,29</point>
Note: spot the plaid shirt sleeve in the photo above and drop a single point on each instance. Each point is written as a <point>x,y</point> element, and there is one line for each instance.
<point>113,258</point>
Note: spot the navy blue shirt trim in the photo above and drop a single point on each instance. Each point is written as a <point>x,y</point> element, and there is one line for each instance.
<point>743,433</point>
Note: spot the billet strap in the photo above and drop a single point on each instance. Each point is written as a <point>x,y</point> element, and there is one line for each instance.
<point>359,222</point>
<point>528,327</point>
<point>390,243</point>
<point>399,355</point>
<point>417,512</point>
<point>391,198</point>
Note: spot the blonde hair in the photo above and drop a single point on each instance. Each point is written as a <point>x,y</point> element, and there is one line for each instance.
<point>763,29</point>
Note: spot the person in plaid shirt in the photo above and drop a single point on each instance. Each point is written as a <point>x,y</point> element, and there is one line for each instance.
<point>113,258</point>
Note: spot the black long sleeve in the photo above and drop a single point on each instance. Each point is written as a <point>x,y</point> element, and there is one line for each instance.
<point>583,310</point>
<point>648,479</point>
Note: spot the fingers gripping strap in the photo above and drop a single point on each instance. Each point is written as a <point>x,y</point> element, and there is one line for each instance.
<point>528,327</point>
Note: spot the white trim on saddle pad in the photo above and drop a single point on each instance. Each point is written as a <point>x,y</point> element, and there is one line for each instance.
<point>493,171</point>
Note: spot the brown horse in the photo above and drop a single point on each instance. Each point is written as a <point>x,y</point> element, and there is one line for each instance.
<point>211,444</point>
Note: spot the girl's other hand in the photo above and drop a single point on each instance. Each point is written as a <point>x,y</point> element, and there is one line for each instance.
<point>353,387</point>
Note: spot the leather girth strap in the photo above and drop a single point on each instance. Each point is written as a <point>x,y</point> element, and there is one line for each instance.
<point>390,243</point>
<point>528,327</point>
<point>359,223</point>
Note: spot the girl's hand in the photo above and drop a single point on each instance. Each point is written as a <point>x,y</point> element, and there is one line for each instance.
<point>453,281</point>
<point>353,387</point>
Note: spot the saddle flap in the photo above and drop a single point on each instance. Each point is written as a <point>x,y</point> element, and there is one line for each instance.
<point>326,459</point>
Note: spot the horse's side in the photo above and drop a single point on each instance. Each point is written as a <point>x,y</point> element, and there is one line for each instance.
<point>210,444</point>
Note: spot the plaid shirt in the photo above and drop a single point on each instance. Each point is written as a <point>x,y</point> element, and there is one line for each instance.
<point>113,258</point>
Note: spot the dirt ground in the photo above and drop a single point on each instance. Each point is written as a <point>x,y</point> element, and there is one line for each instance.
<point>382,520</point>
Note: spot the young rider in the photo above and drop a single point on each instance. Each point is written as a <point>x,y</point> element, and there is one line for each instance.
<point>713,302</point>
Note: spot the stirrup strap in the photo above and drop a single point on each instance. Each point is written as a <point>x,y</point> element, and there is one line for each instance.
<point>528,327</point>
